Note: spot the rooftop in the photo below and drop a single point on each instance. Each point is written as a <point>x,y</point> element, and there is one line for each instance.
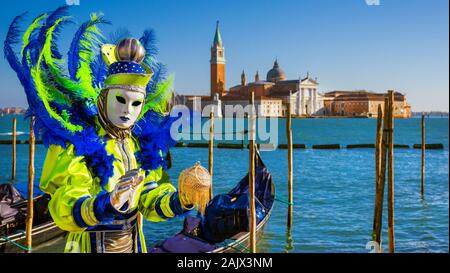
<point>217,38</point>
<point>276,73</point>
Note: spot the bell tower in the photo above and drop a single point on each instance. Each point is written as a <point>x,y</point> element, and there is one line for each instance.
<point>217,65</point>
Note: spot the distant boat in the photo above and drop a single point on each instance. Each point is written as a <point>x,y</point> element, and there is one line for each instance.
<point>10,133</point>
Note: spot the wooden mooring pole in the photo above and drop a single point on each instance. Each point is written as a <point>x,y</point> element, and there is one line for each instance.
<point>391,236</point>
<point>422,170</point>
<point>379,135</point>
<point>290,161</point>
<point>251,177</point>
<point>381,179</point>
<point>211,149</point>
<point>13,168</point>
<point>30,211</point>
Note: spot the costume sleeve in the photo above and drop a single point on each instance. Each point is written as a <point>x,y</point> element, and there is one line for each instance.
<point>159,200</point>
<point>73,206</point>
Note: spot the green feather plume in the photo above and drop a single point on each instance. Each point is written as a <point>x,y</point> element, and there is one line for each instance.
<point>36,24</point>
<point>45,91</point>
<point>159,99</point>
<point>55,66</point>
<point>88,48</point>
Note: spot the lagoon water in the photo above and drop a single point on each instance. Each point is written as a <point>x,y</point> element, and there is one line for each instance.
<point>334,190</point>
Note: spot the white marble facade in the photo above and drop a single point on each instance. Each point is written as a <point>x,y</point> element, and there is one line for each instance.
<point>306,99</point>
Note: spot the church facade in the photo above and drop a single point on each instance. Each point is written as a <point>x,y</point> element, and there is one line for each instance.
<point>302,93</point>
<point>271,94</point>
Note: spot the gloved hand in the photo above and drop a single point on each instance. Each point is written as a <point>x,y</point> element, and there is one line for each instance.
<point>126,190</point>
<point>186,204</point>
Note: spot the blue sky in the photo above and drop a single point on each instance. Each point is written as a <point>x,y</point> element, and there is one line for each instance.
<point>400,44</point>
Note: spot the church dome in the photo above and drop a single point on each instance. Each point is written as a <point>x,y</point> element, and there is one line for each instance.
<point>276,73</point>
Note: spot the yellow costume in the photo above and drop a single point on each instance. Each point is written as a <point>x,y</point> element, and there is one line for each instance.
<point>68,180</point>
<point>104,120</point>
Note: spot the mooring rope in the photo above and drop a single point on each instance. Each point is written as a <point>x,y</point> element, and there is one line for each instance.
<point>284,201</point>
<point>239,244</point>
<point>247,250</point>
<point>17,244</point>
<point>237,249</point>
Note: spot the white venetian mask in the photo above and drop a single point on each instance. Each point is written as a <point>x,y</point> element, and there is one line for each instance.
<point>123,107</point>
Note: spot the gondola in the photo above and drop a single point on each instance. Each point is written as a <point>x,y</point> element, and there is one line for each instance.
<point>13,209</point>
<point>190,238</point>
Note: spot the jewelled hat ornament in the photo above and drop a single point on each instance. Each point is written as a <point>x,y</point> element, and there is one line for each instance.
<point>126,70</point>
<point>194,185</point>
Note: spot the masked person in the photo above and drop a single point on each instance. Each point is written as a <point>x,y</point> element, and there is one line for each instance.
<point>104,167</point>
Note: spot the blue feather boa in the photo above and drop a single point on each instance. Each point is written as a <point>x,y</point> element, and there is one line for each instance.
<point>87,143</point>
<point>153,133</point>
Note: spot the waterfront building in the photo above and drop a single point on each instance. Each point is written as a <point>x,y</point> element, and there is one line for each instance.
<point>362,103</point>
<point>274,92</point>
<point>271,94</point>
<point>302,93</point>
<point>12,110</point>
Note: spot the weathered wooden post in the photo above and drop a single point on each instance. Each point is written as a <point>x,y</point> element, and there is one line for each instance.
<point>381,178</point>
<point>423,156</point>
<point>290,159</point>
<point>391,236</point>
<point>289,241</point>
<point>13,169</point>
<point>211,149</point>
<point>379,135</point>
<point>30,210</point>
<point>251,188</point>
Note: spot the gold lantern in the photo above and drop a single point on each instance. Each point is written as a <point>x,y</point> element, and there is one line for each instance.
<point>194,186</point>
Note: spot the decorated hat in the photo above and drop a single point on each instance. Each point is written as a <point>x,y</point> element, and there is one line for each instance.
<point>125,67</point>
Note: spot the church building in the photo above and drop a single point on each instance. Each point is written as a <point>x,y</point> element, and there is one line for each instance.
<point>271,94</point>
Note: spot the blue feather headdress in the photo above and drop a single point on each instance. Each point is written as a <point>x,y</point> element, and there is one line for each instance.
<point>63,100</point>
